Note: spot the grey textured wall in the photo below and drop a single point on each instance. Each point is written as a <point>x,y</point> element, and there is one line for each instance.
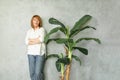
<point>102,63</point>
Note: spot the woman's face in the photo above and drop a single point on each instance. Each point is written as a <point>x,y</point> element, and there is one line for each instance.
<point>36,22</point>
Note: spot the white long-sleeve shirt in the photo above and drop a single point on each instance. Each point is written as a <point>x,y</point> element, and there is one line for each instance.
<point>36,49</point>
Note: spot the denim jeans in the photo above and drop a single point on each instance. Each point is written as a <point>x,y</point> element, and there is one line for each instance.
<point>36,66</point>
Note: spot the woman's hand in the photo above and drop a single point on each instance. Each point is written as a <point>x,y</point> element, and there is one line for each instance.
<point>34,41</point>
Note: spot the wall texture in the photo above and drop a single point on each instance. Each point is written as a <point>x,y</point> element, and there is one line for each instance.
<point>102,63</point>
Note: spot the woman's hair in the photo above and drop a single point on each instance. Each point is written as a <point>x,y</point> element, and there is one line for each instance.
<point>40,21</point>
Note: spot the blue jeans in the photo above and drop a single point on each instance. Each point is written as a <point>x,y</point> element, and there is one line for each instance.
<point>36,66</point>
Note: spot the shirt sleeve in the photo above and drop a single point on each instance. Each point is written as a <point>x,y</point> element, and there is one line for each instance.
<point>26,38</point>
<point>42,35</point>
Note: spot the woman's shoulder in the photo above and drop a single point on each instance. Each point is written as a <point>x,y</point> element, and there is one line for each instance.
<point>42,28</point>
<point>29,30</point>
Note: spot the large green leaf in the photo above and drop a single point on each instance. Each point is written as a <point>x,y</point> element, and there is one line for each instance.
<point>73,33</point>
<point>52,56</point>
<point>76,58</point>
<point>80,24</point>
<point>56,22</point>
<point>54,30</point>
<point>60,40</point>
<point>83,50</point>
<point>58,66</point>
<point>67,42</point>
<point>95,39</point>
<point>64,60</point>
<point>60,61</point>
<point>87,27</point>
<point>51,32</point>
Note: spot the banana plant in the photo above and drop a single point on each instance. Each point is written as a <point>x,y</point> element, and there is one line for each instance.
<point>69,41</point>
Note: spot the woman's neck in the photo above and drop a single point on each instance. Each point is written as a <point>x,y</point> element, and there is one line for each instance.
<point>35,28</point>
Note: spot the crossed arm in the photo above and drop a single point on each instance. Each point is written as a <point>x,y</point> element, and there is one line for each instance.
<point>37,40</point>
<point>33,41</point>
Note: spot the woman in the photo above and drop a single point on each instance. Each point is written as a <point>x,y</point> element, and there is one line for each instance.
<point>36,48</point>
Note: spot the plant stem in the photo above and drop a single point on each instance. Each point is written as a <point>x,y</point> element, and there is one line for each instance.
<point>70,55</point>
<point>68,71</point>
<point>62,69</point>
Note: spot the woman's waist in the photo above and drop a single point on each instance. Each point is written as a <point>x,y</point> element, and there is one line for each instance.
<point>36,46</point>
